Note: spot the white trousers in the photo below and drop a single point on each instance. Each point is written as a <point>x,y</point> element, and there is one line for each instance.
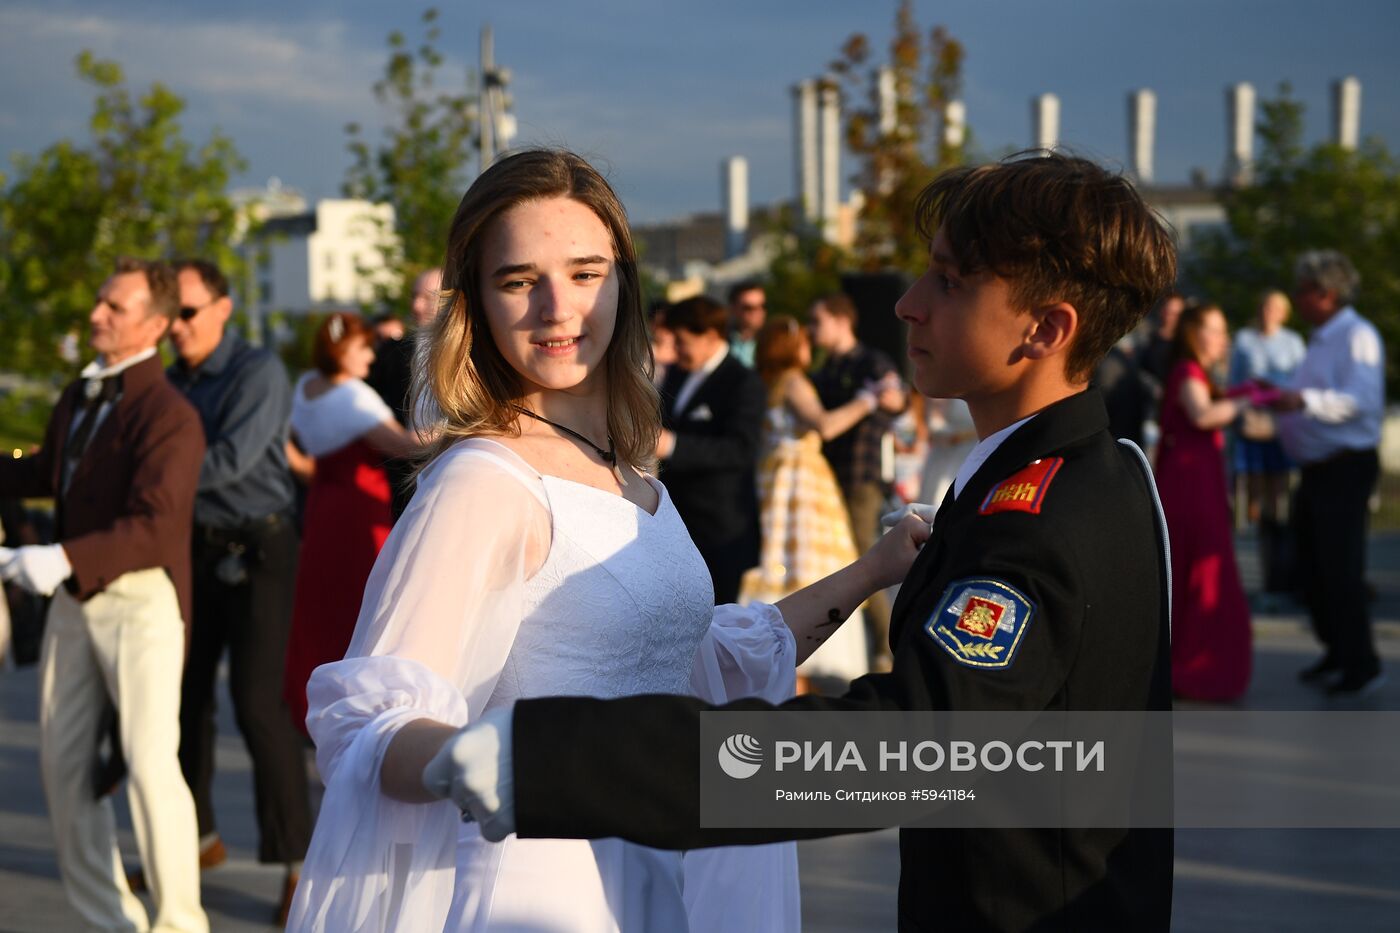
<point>126,643</point>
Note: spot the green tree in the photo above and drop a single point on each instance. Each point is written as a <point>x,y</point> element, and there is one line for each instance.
<point>1301,198</point>
<point>895,162</point>
<point>420,165</point>
<point>804,267</point>
<point>139,188</point>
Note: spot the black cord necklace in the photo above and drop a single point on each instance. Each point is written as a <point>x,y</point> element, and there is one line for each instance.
<point>608,456</point>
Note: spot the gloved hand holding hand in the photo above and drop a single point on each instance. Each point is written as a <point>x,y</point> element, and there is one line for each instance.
<point>923,510</point>
<point>474,769</point>
<point>39,568</point>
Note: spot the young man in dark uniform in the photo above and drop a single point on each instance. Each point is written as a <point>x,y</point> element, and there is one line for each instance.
<point>1037,267</point>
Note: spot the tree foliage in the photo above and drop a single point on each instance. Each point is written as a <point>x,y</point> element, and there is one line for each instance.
<point>138,188</point>
<point>420,165</point>
<point>1302,198</point>
<point>895,163</point>
<point>804,267</point>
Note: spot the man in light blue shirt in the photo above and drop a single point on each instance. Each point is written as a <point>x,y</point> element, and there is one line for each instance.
<point>1332,428</point>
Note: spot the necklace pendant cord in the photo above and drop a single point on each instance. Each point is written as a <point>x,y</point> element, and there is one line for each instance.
<point>608,456</point>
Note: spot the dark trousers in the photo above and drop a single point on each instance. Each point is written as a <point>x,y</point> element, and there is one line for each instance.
<point>1330,518</point>
<point>252,619</point>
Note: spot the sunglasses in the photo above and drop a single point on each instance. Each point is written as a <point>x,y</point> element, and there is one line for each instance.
<point>188,313</point>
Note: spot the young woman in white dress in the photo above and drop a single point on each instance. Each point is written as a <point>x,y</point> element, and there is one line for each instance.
<point>537,557</point>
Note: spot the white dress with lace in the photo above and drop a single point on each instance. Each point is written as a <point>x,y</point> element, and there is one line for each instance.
<point>453,624</point>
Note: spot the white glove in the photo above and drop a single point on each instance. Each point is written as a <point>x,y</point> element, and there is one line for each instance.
<point>39,568</point>
<point>925,512</point>
<point>474,768</point>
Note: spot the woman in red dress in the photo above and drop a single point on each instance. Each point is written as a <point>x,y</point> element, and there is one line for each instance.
<point>347,428</point>
<point>1210,616</point>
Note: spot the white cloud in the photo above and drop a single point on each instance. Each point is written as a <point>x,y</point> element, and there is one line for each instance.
<point>252,62</point>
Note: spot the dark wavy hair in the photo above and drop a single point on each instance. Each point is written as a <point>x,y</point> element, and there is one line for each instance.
<point>1057,228</point>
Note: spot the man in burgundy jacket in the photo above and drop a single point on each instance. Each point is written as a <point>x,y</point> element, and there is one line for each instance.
<point>120,458</point>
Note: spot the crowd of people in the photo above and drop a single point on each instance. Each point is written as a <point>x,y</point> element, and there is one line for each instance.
<point>540,490</point>
<point>182,538</point>
<point>1275,433</point>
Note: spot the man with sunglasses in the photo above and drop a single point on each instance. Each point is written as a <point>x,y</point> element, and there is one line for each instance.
<point>748,309</point>
<point>245,556</point>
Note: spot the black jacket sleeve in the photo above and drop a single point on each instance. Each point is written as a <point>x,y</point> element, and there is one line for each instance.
<point>587,768</point>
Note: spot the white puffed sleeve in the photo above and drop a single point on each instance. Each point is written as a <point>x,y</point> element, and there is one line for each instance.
<point>440,612</point>
<point>748,652</point>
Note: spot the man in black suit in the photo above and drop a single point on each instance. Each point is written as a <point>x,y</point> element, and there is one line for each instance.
<point>391,376</point>
<point>711,416</point>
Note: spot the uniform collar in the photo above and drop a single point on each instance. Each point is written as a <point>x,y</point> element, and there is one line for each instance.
<point>984,449</point>
<point>1052,428</point>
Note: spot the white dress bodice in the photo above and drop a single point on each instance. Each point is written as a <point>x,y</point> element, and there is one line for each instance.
<point>619,607</point>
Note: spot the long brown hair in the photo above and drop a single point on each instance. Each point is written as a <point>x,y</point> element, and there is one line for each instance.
<point>458,367</point>
<point>779,349</point>
<point>1186,343</point>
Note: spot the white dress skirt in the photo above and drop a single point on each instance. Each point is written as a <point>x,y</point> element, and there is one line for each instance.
<point>453,624</point>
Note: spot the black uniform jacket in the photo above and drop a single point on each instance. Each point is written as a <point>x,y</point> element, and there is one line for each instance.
<point>1089,562</point>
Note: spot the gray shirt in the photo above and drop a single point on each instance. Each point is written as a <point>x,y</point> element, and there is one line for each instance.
<point>244,399</point>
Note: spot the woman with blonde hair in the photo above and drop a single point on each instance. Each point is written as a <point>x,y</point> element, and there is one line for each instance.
<point>806,530</point>
<point>1267,352</point>
<point>538,557</point>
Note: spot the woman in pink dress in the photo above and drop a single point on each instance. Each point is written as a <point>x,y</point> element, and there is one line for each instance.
<point>1210,616</point>
<point>347,428</point>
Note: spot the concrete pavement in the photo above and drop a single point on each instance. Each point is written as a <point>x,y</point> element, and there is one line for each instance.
<point>1256,880</point>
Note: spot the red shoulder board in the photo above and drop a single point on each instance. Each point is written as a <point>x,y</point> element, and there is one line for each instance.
<point>1023,491</point>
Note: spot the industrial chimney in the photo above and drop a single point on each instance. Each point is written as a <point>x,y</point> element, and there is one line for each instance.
<point>1045,121</point>
<point>1142,128</point>
<point>804,136</point>
<point>734,190</point>
<point>829,158</point>
<point>1346,112</point>
<point>954,124</point>
<point>1239,155</point>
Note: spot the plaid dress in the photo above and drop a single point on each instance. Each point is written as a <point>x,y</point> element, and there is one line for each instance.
<point>806,534</point>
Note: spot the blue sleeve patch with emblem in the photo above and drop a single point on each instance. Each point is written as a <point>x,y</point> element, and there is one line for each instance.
<point>980,622</point>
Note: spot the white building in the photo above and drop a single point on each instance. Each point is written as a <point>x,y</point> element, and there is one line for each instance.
<point>327,258</point>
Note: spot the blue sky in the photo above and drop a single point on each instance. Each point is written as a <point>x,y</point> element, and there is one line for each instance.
<point>658,91</point>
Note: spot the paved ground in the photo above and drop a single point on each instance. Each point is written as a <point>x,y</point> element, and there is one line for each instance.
<point>1259,880</point>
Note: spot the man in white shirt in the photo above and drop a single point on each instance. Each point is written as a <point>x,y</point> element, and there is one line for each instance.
<point>1332,428</point>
